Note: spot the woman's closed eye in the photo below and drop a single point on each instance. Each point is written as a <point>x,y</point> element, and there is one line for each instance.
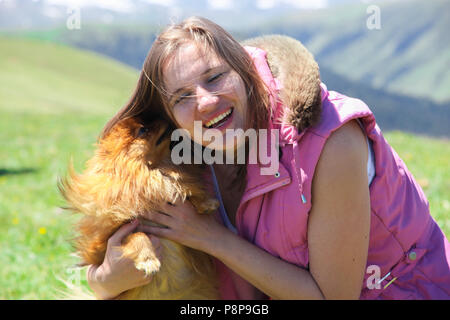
<point>182,97</point>
<point>215,77</point>
<point>185,96</point>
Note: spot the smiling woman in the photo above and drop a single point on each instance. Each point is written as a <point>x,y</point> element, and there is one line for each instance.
<point>202,87</point>
<point>314,228</point>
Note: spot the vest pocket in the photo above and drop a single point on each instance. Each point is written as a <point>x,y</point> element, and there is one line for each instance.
<point>409,261</point>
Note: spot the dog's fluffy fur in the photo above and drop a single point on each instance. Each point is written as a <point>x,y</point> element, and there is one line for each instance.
<point>131,173</point>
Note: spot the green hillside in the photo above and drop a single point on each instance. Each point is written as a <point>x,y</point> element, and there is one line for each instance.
<point>54,101</point>
<point>42,77</point>
<point>401,70</point>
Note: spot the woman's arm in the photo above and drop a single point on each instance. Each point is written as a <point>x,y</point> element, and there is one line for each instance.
<point>276,278</point>
<point>337,232</point>
<point>339,221</point>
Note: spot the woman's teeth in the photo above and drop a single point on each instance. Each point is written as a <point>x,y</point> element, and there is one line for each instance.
<point>214,121</point>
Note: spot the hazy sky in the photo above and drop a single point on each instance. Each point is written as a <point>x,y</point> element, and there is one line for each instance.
<point>125,5</point>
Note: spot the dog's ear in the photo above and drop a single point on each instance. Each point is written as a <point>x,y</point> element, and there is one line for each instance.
<point>158,127</point>
<point>129,125</point>
<point>135,125</point>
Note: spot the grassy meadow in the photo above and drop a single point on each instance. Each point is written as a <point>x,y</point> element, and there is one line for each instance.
<point>54,102</point>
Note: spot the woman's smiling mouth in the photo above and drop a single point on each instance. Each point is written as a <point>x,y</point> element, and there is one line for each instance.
<point>219,120</point>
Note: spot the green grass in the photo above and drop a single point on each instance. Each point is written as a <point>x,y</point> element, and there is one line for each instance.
<point>428,160</point>
<point>35,233</point>
<point>53,103</point>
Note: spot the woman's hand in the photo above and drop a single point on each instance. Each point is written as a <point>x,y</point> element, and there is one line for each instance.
<point>117,274</point>
<point>186,226</point>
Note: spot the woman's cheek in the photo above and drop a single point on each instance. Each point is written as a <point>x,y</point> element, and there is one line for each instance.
<point>184,118</point>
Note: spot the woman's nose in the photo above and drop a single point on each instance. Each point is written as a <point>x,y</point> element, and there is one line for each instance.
<point>206,99</point>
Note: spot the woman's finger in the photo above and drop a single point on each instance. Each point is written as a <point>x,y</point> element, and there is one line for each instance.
<point>156,231</point>
<point>156,243</point>
<point>158,217</point>
<point>122,232</point>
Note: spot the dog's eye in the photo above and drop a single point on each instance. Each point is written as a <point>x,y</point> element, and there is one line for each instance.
<point>141,132</point>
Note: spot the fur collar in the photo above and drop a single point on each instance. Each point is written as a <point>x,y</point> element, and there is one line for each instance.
<point>294,66</point>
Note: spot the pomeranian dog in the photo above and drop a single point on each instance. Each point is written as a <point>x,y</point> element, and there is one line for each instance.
<point>130,174</point>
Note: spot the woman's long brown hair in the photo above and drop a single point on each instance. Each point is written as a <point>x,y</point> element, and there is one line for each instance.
<point>149,100</point>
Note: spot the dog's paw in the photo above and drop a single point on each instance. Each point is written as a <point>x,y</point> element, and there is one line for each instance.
<point>138,247</point>
<point>149,266</point>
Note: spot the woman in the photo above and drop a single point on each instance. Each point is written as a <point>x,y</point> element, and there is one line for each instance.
<point>324,226</point>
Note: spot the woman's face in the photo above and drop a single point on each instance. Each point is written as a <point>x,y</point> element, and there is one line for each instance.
<point>202,87</point>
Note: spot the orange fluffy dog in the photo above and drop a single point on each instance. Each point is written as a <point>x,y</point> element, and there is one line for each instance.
<point>131,173</point>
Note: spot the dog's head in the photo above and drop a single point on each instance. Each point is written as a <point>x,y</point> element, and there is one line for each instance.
<point>132,140</point>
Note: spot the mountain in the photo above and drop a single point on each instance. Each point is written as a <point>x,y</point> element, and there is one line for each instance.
<point>409,54</point>
<point>27,14</point>
<point>395,111</point>
<point>400,70</point>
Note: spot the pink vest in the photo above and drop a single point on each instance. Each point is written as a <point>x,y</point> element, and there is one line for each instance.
<point>405,244</point>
